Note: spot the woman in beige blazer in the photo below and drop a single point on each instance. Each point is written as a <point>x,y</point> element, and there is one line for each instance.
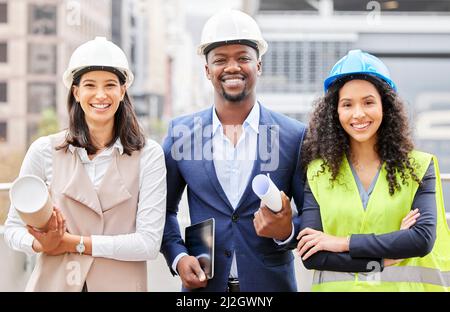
<point>107,183</point>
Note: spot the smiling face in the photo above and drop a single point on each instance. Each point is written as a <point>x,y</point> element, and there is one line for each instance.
<point>99,94</point>
<point>233,71</point>
<point>360,111</point>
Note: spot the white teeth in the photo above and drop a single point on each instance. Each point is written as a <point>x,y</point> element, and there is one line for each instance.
<point>233,80</point>
<point>360,126</point>
<point>100,106</point>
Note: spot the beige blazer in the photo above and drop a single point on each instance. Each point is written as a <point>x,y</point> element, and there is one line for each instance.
<point>111,210</point>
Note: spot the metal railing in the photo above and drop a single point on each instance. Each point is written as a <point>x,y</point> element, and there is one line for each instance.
<point>5,186</point>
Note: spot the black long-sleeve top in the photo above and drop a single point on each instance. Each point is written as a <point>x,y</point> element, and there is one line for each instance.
<point>416,241</point>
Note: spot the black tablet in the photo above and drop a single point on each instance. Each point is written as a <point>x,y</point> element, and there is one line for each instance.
<point>199,240</point>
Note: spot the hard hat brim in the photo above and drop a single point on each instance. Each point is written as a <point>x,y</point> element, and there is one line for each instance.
<point>207,48</point>
<point>120,74</point>
<point>331,80</point>
<point>68,76</point>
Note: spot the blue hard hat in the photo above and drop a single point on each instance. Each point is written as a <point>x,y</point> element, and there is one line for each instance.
<point>358,62</point>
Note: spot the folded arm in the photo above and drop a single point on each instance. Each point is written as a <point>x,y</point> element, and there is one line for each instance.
<point>415,241</point>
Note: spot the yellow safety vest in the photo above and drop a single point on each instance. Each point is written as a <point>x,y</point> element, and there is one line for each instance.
<point>343,214</point>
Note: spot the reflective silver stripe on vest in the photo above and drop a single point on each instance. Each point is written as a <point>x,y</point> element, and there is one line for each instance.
<point>390,274</point>
<point>331,276</point>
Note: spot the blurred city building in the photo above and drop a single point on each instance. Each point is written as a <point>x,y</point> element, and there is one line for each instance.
<point>36,40</point>
<point>139,28</point>
<point>153,35</point>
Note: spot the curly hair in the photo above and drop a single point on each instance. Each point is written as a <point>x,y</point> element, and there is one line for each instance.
<point>327,140</point>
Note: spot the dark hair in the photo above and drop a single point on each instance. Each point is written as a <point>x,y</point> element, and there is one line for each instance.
<point>126,126</point>
<point>327,140</point>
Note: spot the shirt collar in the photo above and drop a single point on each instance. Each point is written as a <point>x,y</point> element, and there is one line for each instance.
<point>252,119</point>
<point>117,144</point>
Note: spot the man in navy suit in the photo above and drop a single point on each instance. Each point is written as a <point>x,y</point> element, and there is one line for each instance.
<point>217,152</point>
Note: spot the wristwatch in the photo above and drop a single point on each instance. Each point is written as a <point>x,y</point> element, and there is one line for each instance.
<point>80,247</point>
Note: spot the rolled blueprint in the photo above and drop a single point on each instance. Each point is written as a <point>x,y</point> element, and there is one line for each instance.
<point>267,191</point>
<point>29,196</point>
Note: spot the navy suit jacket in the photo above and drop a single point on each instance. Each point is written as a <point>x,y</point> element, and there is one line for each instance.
<point>262,264</point>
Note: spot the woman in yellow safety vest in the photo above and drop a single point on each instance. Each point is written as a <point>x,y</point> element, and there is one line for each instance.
<point>373,216</point>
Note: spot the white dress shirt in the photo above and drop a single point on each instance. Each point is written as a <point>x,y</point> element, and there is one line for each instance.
<point>142,245</point>
<point>234,164</point>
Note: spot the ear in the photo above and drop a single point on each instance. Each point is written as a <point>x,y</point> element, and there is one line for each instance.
<point>259,67</point>
<point>123,89</point>
<point>75,91</point>
<point>207,72</point>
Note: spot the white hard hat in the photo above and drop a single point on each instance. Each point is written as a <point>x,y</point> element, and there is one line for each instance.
<point>228,27</point>
<point>98,54</point>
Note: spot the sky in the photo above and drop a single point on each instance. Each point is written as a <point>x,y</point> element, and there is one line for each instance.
<point>208,7</point>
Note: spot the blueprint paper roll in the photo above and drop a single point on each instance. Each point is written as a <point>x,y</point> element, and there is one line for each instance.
<point>267,191</point>
<point>29,196</point>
